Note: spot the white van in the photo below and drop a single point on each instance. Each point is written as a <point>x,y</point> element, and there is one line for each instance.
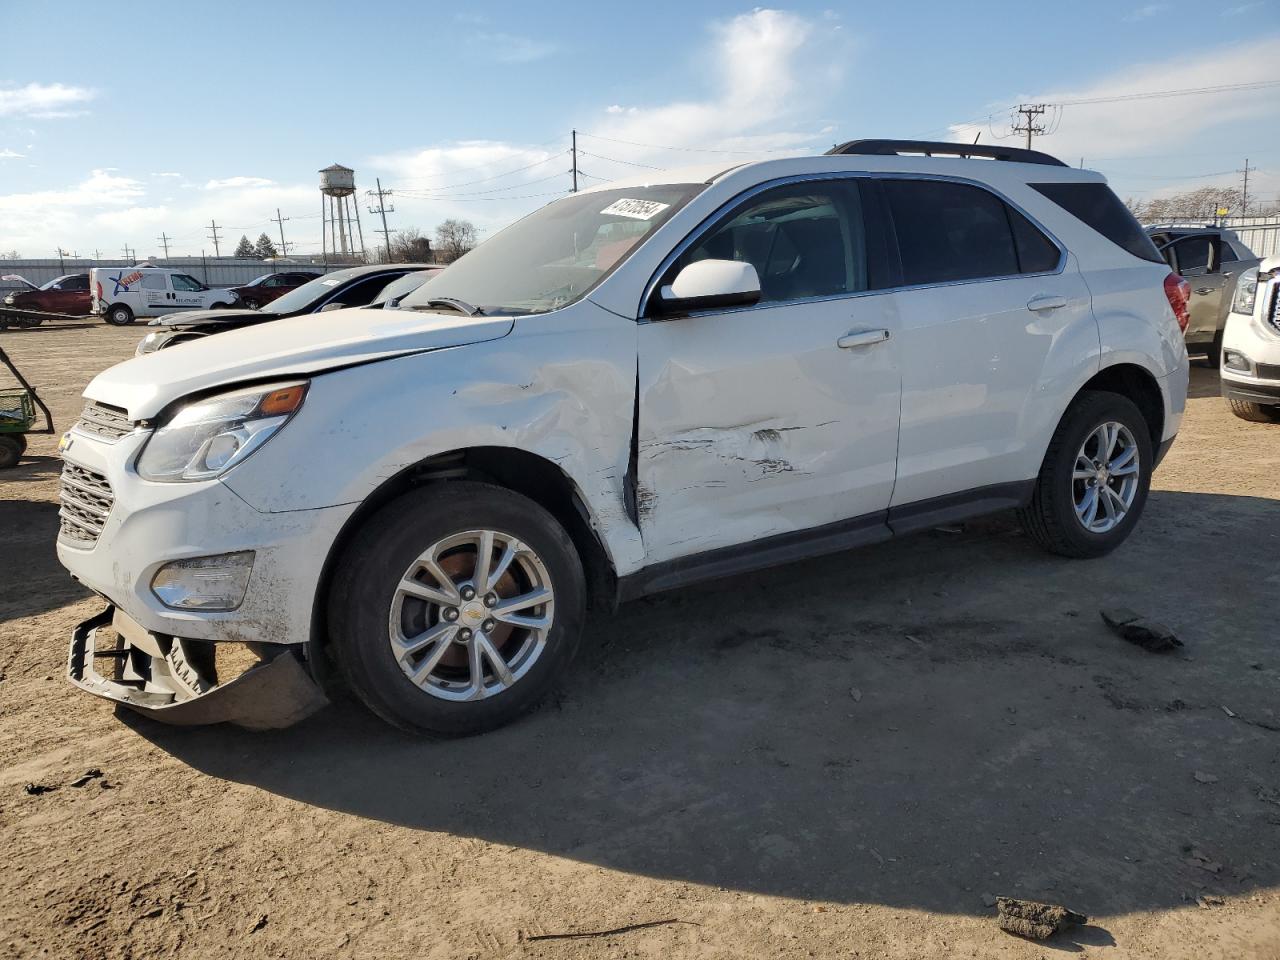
<point>121,294</point>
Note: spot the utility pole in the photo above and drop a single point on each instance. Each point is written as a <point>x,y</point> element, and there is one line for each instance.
<point>61,267</point>
<point>129,255</point>
<point>1030,126</point>
<point>574,150</point>
<point>213,235</point>
<point>164,238</point>
<point>1244,192</point>
<point>97,254</point>
<point>280,221</point>
<point>382,209</point>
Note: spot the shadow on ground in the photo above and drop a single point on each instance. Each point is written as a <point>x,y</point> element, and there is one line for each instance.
<point>916,724</point>
<point>32,581</point>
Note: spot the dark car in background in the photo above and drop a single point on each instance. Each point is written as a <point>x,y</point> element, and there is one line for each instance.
<point>352,287</point>
<point>270,286</point>
<point>65,294</point>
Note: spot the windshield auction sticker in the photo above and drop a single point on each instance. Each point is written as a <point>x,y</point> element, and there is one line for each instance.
<point>634,209</point>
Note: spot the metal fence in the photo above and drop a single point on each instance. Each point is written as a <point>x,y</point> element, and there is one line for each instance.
<point>212,271</point>
<point>1261,234</point>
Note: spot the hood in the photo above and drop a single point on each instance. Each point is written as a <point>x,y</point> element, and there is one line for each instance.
<point>292,347</point>
<point>187,318</point>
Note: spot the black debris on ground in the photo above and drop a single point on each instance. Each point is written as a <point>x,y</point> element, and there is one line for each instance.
<point>35,789</point>
<point>92,774</point>
<point>1137,629</point>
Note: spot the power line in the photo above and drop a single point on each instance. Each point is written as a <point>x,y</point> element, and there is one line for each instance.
<point>436,195</point>
<point>1032,126</point>
<point>659,146</point>
<point>496,176</point>
<point>629,163</point>
<point>574,150</point>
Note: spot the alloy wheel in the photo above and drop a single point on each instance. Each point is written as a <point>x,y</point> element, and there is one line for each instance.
<point>1104,482</point>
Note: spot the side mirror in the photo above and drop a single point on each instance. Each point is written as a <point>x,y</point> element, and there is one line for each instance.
<point>333,306</point>
<point>709,284</point>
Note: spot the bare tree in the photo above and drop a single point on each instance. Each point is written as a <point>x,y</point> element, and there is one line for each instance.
<point>454,238</point>
<point>10,255</point>
<point>1201,204</point>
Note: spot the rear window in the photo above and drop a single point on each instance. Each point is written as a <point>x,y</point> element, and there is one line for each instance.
<point>1097,206</point>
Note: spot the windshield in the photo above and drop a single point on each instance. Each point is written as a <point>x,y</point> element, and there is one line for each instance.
<point>393,292</point>
<point>256,281</point>
<point>299,298</point>
<point>557,254</point>
<point>54,282</point>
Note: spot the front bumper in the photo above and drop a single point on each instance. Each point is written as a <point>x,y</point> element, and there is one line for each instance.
<point>170,681</point>
<point>1251,391</point>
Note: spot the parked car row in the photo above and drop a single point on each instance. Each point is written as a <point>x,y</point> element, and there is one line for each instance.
<point>637,387</point>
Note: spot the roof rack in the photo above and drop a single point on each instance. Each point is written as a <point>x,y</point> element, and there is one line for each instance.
<point>932,148</point>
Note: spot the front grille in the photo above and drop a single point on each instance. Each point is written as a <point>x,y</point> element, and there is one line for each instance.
<point>86,500</point>
<point>100,419</point>
<point>1272,311</point>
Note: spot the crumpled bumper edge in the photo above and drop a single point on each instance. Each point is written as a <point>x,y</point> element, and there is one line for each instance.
<point>276,693</point>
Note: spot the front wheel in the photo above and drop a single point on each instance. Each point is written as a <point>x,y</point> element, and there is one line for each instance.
<point>456,607</point>
<point>12,447</point>
<point>1255,412</point>
<point>1094,480</point>
<point>119,315</point>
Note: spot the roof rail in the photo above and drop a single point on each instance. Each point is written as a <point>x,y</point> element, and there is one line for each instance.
<point>932,148</point>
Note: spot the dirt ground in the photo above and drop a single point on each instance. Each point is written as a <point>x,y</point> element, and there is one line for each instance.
<point>847,757</point>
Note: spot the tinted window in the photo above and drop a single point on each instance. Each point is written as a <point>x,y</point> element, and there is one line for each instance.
<point>182,282</point>
<point>74,283</point>
<point>1192,253</point>
<point>1226,254</point>
<point>950,231</point>
<point>1097,206</point>
<point>1036,252</point>
<point>362,292</point>
<point>804,239</point>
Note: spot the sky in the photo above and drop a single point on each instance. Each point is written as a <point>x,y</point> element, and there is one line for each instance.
<point>126,121</point>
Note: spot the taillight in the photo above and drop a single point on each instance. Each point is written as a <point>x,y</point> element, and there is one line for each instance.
<point>1178,291</point>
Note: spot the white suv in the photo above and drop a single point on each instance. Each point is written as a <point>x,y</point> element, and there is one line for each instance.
<point>635,388</point>
<point>1251,346</point>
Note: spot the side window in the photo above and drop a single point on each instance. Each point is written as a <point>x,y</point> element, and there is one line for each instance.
<point>182,282</point>
<point>154,281</point>
<point>949,232</point>
<point>804,239</point>
<point>362,292</point>
<point>1226,252</point>
<point>1036,252</point>
<point>1192,253</point>
<point>75,283</point>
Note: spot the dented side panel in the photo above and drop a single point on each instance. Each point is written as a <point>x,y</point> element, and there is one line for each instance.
<point>754,423</point>
<point>561,386</point>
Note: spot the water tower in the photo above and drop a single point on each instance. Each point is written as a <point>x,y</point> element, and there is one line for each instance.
<point>341,236</point>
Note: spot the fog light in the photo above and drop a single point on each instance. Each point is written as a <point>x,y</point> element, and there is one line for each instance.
<point>1235,360</point>
<point>204,583</point>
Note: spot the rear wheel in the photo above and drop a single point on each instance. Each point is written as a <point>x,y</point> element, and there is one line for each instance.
<point>119,315</point>
<point>456,607</point>
<point>12,447</point>
<point>1094,479</point>
<point>1255,412</point>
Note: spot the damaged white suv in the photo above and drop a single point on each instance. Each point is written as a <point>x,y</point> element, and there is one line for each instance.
<point>634,388</point>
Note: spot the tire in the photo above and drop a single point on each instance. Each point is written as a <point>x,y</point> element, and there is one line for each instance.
<point>1255,412</point>
<point>1051,518</point>
<point>219,306</point>
<point>367,607</point>
<point>251,304</point>
<point>12,447</point>
<point>118,315</point>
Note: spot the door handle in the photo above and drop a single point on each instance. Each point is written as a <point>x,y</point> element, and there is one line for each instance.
<point>1036,304</point>
<point>862,338</point>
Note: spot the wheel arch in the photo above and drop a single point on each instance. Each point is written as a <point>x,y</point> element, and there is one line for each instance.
<point>520,471</point>
<point>1138,385</point>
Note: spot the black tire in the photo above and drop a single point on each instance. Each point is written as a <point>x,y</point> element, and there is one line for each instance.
<point>118,315</point>
<point>364,586</point>
<point>12,447</point>
<point>1255,412</point>
<point>251,304</point>
<point>1050,518</point>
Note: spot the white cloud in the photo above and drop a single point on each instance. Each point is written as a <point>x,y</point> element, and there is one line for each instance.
<point>43,100</point>
<point>1146,12</point>
<point>7,154</point>
<point>234,182</point>
<point>1242,8</point>
<point>1147,126</point>
<point>166,174</point>
<point>509,48</point>
<point>765,71</point>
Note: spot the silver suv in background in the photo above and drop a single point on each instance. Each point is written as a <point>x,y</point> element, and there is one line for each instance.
<point>1211,259</point>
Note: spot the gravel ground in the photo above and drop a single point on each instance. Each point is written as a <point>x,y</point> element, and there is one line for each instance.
<point>848,757</point>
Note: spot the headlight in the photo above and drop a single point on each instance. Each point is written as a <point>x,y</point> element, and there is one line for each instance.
<point>207,438</point>
<point>1246,292</point>
<point>9,300</point>
<point>150,343</point>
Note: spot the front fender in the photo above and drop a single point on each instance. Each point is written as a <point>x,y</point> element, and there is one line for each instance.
<point>561,386</point>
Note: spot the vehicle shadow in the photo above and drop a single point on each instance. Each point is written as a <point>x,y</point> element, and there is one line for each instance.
<point>919,724</point>
<point>1205,382</point>
<point>32,581</point>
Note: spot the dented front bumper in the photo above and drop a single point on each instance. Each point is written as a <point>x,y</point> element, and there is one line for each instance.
<point>188,682</point>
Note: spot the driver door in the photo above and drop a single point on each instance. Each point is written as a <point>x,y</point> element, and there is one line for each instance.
<point>778,417</point>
